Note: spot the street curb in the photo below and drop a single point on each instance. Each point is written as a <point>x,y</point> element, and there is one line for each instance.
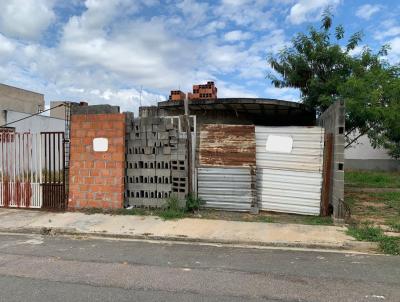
<point>356,246</point>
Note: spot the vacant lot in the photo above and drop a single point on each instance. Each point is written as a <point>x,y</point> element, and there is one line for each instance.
<point>366,179</point>
<point>374,205</point>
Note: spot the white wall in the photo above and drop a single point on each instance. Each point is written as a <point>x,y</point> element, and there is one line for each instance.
<point>34,124</point>
<point>362,149</point>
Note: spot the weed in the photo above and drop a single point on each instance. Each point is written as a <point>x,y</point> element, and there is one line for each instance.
<point>90,211</point>
<point>134,211</point>
<point>267,219</point>
<point>193,203</point>
<point>168,214</point>
<point>390,245</point>
<point>365,232</point>
<point>172,209</point>
<point>318,220</point>
<point>394,224</point>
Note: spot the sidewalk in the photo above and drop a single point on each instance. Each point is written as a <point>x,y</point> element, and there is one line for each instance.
<point>188,229</point>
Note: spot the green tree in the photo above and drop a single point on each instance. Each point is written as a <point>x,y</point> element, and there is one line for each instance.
<point>323,67</point>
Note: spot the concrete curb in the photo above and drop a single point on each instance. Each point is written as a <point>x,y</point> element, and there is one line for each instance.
<point>356,246</point>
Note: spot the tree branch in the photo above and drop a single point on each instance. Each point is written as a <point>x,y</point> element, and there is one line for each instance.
<point>349,144</point>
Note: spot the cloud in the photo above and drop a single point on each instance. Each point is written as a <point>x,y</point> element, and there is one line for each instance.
<point>255,14</point>
<point>103,51</point>
<point>394,53</point>
<point>309,10</point>
<point>143,51</point>
<point>6,47</point>
<point>227,90</point>
<point>237,35</point>
<point>287,94</point>
<point>367,10</point>
<point>25,19</point>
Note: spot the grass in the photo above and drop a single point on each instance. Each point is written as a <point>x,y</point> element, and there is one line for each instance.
<point>394,224</point>
<point>368,232</point>
<point>372,179</point>
<point>174,212</point>
<point>381,208</point>
<point>318,220</point>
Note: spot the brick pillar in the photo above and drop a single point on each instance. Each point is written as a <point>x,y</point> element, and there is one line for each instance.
<point>97,177</point>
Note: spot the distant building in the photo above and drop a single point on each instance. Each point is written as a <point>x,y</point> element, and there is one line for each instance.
<point>19,100</point>
<point>59,112</point>
<point>204,92</point>
<point>25,123</point>
<point>362,156</point>
<point>177,95</point>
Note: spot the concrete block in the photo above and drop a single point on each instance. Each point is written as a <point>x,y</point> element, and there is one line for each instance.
<point>159,127</point>
<point>163,135</point>
<point>166,150</point>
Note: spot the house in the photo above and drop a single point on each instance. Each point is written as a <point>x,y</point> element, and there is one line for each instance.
<point>362,156</point>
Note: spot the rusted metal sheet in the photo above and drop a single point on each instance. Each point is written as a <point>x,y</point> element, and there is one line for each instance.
<point>54,197</point>
<point>327,175</point>
<point>227,145</point>
<point>32,170</point>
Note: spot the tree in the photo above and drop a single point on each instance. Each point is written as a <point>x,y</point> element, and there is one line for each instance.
<point>325,70</point>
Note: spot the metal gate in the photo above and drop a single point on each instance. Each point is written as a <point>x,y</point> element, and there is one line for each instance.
<point>32,170</point>
<point>289,168</point>
<point>226,188</point>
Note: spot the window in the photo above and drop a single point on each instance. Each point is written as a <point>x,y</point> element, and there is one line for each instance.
<point>279,144</point>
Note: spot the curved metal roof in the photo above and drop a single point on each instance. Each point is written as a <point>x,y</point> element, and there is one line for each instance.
<point>249,105</point>
<point>260,110</point>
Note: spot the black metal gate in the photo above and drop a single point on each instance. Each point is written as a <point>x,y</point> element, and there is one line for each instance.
<point>53,185</point>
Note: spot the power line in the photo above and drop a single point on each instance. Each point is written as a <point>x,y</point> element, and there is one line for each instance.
<point>26,117</point>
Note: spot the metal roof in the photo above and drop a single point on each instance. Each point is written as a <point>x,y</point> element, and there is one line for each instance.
<point>257,109</point>
<point>248,105</point>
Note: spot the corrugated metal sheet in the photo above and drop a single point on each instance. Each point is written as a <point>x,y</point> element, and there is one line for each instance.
<point>290,182</point>
<point>227,145</point>
<point>225,188</point>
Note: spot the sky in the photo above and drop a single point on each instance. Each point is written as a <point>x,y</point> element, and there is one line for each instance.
<point>113,51</point>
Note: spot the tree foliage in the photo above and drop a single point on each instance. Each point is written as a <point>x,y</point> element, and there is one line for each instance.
<point>325,69</point>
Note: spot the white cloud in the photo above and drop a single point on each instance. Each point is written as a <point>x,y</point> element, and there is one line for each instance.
<point>394,53</point>
<point>367,10</point>
<point>226,90</point>
<point>287,94</point>
<point>237,35</point>
<point>144,52</point>
<point>254,14</point>
<point>309,10</point>
<point>387,32</point>
<point>25,18</point>
<point>104,54</point>
<point>6,47</point>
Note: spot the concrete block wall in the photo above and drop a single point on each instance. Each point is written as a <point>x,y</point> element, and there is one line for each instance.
<point>97,178</point>
<point>333,121</point>
<point>156,166</point>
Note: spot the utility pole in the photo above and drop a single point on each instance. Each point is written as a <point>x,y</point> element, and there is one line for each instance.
<point>188,145</point>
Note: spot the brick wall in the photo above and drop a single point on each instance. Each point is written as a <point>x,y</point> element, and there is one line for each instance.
<point>97,178</point>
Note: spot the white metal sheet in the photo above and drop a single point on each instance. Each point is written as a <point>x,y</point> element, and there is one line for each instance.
<point>290,182</point>
<point>225,188</point>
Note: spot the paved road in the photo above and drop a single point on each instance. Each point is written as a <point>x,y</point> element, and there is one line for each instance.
<point>35,268</point>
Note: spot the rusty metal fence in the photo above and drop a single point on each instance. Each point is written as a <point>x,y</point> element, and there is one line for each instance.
<point>32,170</point>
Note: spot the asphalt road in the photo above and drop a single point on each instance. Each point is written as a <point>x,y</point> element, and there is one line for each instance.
<point>43,268</point>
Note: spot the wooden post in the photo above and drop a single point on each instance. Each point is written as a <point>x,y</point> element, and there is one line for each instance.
<point>327,174</point>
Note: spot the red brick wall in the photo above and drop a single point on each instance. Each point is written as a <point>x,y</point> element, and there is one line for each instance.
<point>96,179</point>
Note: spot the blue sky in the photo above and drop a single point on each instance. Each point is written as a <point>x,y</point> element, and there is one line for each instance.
<point>104,51</point>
